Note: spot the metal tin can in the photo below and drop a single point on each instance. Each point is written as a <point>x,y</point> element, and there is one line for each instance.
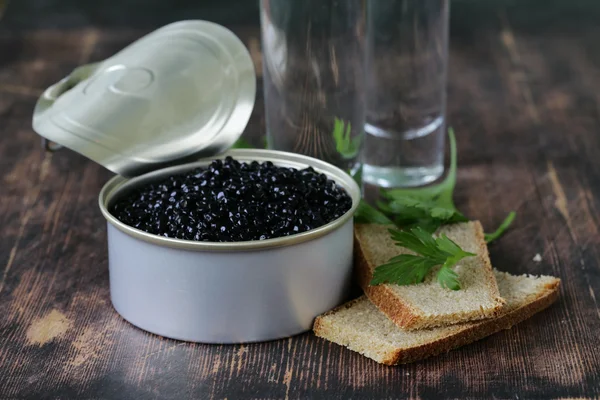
<point>229,292</point>
<point>181,93</point>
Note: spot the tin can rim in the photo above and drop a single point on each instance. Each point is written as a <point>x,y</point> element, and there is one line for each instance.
<point>119,184</point>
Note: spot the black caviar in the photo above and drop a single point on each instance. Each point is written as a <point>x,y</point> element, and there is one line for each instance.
<point>231,201</point>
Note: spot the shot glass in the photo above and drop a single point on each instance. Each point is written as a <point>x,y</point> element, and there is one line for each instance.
<point>406,92</point>
<point>314,55</point>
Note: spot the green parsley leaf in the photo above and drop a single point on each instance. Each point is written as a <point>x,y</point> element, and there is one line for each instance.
<point>425,209</point>
<point>414,269</point>
<point>448,278</point>
<point>242,143</point>
<point>433,203</point>
<point>357,175</point>
<point>407,269</point>
<point>455,253</point>
<point>345,145</point>
<point>490,237</point>
<point>367,214</point>
<point>408,217</point>
<point>428,225</point>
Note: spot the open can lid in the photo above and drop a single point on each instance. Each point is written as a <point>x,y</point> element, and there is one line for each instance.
<point>179,93</point>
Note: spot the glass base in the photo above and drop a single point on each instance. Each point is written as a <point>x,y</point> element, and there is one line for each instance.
<point>394,177</point>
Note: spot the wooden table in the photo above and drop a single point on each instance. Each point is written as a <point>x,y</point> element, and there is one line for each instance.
<point>524,101</point>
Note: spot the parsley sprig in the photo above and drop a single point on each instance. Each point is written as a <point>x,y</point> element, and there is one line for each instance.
<point>242,143</point>
<point>345,145</point>
<point>417,214</point>
<point>490,237</point>
<point>407,269</point>
<point>367,214</point>
<point>428,207</point>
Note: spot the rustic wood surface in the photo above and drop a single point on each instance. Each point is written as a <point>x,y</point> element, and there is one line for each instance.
<point>524,101</point>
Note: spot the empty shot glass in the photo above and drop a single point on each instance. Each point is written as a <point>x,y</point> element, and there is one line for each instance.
<point>406,92</point>
<point>314,54</point>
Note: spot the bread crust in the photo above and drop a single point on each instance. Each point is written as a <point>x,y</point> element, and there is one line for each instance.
<point>400,312</point>
<point>382,296</point>
<point>485,256</point>
<point>472,332</point>
<point>477,330</point>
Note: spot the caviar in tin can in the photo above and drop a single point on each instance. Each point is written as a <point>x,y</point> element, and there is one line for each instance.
<point>231,201</point>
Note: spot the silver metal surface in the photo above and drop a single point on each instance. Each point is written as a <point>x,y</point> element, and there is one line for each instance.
<point>229,292</point>
<point>118,186</point>
<point>237,297</point>
<point>179,93</point>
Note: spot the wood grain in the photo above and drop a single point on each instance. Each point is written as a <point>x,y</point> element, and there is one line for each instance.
<point>524,100</point>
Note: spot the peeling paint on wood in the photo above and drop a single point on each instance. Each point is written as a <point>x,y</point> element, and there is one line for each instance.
<point>51,326</point>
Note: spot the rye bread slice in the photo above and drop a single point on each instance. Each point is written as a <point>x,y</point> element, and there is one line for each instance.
<point>361,327</point>
<point>427,304</point>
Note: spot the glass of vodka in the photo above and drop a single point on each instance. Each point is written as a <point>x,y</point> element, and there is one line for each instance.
<point>406,92</point>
